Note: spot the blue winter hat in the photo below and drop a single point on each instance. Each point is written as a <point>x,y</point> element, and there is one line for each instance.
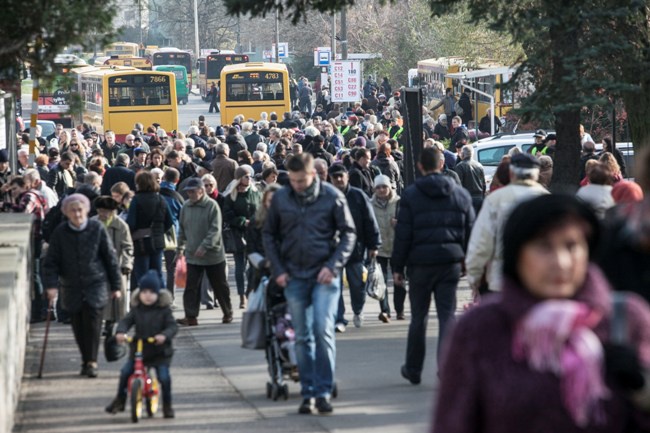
<point>150,281</point>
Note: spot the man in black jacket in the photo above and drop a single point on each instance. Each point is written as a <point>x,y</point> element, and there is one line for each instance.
<point>361,175</point>
<point>253,139</point>
<point>368,240</point>
<point>466,104</point>
<point>61,178</point>
<point>433,228</point>
<point>308,237</point>
<point>119,173</point>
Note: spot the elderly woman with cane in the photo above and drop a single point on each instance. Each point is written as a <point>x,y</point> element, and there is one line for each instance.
<point>82,262</point>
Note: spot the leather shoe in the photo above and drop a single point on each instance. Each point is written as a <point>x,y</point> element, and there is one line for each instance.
<point>324,406</point>
<point>188,321</point>
<point>227,319</point>
<point>306,406</point>
<point>413,378</point>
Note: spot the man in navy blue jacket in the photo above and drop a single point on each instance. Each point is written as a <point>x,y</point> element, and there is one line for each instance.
<point>433,227</point>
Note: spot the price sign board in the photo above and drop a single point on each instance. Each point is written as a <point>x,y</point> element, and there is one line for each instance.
<point>346,81</point>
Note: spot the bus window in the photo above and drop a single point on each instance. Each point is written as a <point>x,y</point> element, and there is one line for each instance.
<point>139,90</point>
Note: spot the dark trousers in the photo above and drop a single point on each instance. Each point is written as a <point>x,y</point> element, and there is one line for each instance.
<point>399,291</point>
<point>442,281</point>
<point>170,270</point>
<point>240,271</point>
<point>218,280</point>
<point>87,328</point>
<point>213,105</point>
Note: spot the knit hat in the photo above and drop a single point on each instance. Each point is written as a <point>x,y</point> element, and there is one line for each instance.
<point>535,218</point>
<point>360,142</point>
<point>382,179</point>
<point>150,281</point>
<point>244,170</point>
<point>4,157</point>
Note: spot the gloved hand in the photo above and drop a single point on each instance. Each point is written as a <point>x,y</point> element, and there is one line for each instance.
<point>623,367</point>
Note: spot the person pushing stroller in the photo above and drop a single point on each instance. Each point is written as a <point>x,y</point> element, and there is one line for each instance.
<point>151,315</point>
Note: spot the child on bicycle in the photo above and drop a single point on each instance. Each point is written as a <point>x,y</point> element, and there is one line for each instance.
<point>151,315</point>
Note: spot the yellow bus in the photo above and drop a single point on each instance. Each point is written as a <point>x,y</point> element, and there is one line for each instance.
<point>436,75</point>
<point>137,62</point>
<point>253,88</point>
<point>210,68</point>
<point>115,98</point>
<point>130,49</point>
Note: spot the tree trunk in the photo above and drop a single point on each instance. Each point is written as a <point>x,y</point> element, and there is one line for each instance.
<point>566,170</point>
<point>637,105</point>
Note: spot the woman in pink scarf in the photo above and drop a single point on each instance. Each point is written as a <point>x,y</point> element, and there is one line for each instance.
<point>538,357</point>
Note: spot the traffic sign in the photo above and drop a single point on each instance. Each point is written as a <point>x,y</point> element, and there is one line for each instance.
<point>322,56</point>
<point>283,51</point>
<point>346,81</point>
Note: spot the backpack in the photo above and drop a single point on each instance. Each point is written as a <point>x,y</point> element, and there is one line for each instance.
<point>458,109</point>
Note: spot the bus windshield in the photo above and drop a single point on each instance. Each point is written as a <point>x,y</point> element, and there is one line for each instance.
<point>141,89</point>
<point>254,86</point>
<point>215,64</point>
<point>173,58</point>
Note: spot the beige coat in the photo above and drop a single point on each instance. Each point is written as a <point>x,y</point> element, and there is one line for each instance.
<point>120,236</point>
<point>485,249</point>
<point>384,214</point>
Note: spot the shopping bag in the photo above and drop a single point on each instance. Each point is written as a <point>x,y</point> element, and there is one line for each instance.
<point>180,276</point>
<point>253,334</point>
<point>375,284</point>
<point>113,351</point>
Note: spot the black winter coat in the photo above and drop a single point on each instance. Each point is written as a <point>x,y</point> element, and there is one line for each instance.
<point>362,178</point>
<point>116,174</point>
<point>433,224</point>
<point>368,237</point>
<point>83,265</point>
<point>150,210</point>
<point>301,238</point>
<point>149,321</point>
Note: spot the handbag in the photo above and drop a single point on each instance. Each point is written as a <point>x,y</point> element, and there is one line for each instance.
<point>113,350</point>
<point>228,237</point>
<point>375,283</point>
<point>170,239</point>
<point>253,324</point>
<point>143,242</point>
<point>180,274</point>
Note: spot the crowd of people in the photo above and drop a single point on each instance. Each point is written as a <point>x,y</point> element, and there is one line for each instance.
<point>321,193</point>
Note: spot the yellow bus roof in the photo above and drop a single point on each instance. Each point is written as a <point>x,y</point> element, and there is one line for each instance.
<point>103,70</point>
<point>240,67</point>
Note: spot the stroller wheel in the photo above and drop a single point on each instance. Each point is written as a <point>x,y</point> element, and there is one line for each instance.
<point>335,390</point>
<point>285,391</point>
<point>268,389</point>
<point>275,391</point>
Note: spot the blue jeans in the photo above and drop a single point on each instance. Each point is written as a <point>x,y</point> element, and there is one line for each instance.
<point>141,264</point>
<point>312,308</point>
<point>354,274</point>
<point>240,269</point>
<point>162,373</point>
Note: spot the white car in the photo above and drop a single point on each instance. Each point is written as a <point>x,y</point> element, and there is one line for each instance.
<point>489,151</point>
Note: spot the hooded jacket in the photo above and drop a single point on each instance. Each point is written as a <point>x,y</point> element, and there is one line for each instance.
<point>149,321</point>
<point>385,211</point>
<point>433,224</point>
<point>200,226</point>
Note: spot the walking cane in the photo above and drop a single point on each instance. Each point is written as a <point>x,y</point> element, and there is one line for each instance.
<point>47,332</point>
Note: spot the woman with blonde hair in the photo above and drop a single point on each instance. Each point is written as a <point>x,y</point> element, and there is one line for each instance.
<point>241,201</point>
<point>609,160</point>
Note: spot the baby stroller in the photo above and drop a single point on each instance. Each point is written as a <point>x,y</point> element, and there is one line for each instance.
<point>280,342</point>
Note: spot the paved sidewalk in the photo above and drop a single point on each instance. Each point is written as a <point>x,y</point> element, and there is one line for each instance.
<point>218,386</point>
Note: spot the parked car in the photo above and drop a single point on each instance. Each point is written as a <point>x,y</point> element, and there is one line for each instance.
<point>48,127</point>
<point>489,151</point>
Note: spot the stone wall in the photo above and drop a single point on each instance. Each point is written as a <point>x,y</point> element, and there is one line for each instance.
<point>15,272</point>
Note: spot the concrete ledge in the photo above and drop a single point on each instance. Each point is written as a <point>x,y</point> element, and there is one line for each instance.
<point>15,302</point>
